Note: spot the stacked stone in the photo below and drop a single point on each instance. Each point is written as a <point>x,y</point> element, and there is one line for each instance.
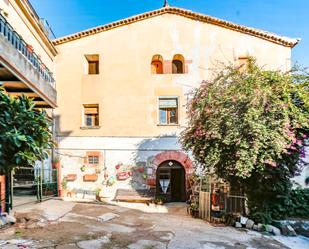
<point>245,222</point>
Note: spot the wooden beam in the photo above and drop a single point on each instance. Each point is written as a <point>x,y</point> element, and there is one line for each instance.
<point>14,84</point>
<point>5,74</point>
<point>41,103</point>
<point>29,95</point>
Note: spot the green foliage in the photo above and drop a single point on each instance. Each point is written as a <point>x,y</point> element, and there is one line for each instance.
<point>242,122</point>
<point>160,199</point>
<point>24,133</point>
<point>260,217</point>
<point>294,204</point>
<point>250,127</point>
<point>64,183</point>
<point>194,207</point>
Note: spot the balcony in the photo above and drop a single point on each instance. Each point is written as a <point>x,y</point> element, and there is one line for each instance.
<point>21,70</point>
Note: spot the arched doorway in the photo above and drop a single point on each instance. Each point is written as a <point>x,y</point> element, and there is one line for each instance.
<point>171,181</point>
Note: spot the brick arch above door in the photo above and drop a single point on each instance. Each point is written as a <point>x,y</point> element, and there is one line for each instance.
<point>177,156</point>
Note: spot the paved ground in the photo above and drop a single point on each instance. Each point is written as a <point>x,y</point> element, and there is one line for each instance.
<point>67,225</point>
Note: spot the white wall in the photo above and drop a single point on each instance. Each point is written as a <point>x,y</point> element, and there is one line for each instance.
<point>130,152</point>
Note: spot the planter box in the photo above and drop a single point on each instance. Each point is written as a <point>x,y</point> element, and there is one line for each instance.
<point>71,177</point>
<point>151,182</point>
<point>90,178</point>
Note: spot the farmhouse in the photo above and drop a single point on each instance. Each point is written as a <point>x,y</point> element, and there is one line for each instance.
<point>122,93</point>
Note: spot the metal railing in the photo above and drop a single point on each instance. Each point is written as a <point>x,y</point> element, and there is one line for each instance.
<point>16,40</point>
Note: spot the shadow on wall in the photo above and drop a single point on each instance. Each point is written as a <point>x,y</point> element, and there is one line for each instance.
<point>141,176</point>
<point>60,135</point>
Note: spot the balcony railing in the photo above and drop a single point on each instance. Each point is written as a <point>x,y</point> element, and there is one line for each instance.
<point>26,50</point>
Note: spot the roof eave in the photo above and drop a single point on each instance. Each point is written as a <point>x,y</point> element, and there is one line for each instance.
<point>281,40</point>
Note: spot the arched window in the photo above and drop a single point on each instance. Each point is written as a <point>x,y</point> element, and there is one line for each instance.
<point>157,64</point>
<point>178,64</point>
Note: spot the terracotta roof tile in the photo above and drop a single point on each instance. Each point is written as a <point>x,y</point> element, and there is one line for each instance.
<point>282,40</point>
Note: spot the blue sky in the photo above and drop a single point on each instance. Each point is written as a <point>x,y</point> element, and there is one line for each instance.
<point>284,17</point>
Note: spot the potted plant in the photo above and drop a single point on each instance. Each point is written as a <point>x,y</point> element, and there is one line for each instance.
<point>160,199</point>
<point>64,185</point>
<point>83,168</point>
<point>194,210</point>
<point>97,194</point>
<point>56,162</point>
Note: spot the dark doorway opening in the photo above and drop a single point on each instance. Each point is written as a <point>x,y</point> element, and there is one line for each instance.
<point>171,182</point>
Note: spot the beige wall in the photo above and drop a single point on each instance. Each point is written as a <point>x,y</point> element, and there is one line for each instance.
<point>127,92</point>
<point>20,18</point>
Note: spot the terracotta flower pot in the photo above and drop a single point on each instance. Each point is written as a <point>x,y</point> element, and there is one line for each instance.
<point>56,165</point>
<point>90,178</point>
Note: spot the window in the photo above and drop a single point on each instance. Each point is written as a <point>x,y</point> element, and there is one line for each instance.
<point>178,64</point>
<point>93,63</point>
<point>242,63</point>
<point>168,111</point>
<point>157,64</point>
<point>91,115</point>
<point>93,159</point>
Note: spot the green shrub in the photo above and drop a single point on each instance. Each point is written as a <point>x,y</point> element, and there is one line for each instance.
<point>292,205</point>
<point>260,217</point>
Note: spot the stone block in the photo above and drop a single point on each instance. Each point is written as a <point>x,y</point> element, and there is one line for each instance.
<point>291,231</point>
<point>10,219</point>
<point>269,228</point>
<point>243,220</point>
<point>255,227</point>
<point>249,224</point>
<point>238,225</point>
<point>276,231</point>
<point>261,227</point>
<point>1,223</point>
<point>107,217</point>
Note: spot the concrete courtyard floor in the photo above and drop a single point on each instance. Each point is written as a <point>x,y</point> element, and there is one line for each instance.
<point>67,225</point>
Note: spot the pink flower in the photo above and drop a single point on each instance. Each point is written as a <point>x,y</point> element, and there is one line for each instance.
<point>271,163</point>
<point>299,142</point>
<point>199,133</point>
<point>293,148</point>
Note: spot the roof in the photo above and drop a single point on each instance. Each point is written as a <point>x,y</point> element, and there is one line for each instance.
<point>282,40</point>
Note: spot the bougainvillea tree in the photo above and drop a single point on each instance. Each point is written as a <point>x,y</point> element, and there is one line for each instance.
<point>250,126</point>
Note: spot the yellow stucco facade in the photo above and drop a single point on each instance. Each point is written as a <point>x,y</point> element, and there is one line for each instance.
<point>126,90</point>
<point>129,144</point>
